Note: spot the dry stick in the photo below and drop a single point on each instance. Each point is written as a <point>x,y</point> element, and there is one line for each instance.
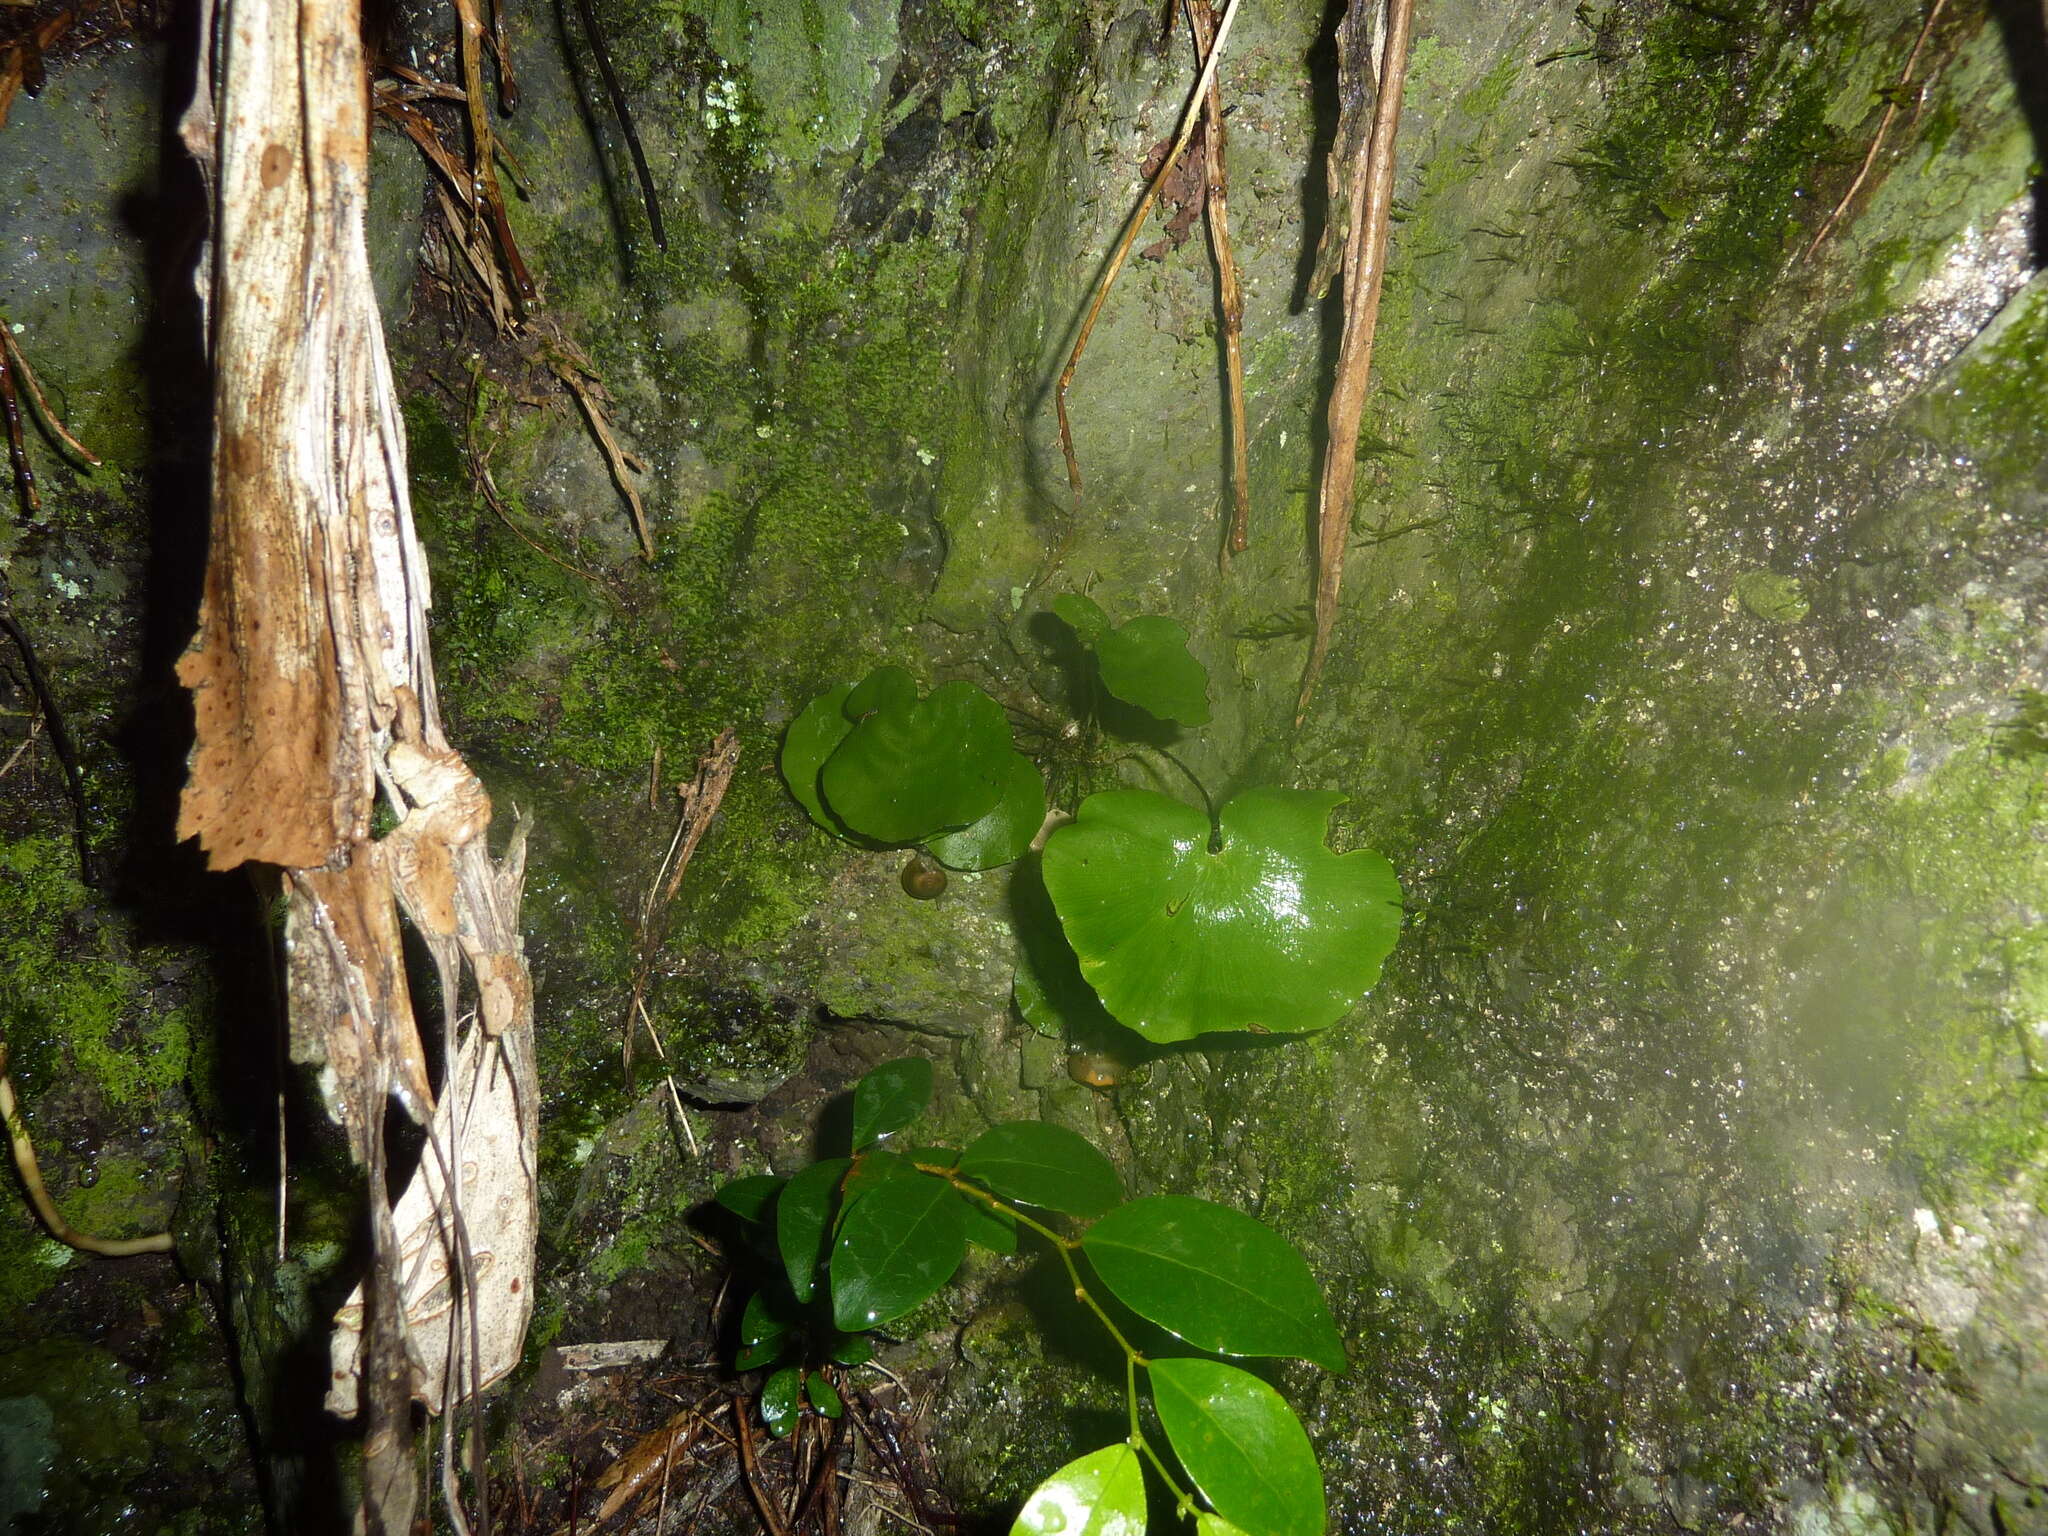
<point>48,417</point>
<point>700,798</point>
<point>570,371</point>
<point>483,154</point>
<point>1891,110</point>
<point>1365,261</point>
<point>17,450</point>
<point>1229,295</point>
<point>38,1196</point>
<point>1188,119</point>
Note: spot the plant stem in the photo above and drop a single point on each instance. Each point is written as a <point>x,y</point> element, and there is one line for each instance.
<point>1065,1247</point>
<point>1209,805</point>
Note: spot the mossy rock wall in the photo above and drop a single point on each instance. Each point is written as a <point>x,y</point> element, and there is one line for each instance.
<point>1685,1166</point>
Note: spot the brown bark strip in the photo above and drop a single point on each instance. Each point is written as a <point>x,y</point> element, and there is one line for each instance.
<point>1365,260</point>
<point>1229,294</point>
<point>314,693</point>
<point>1189,118</point>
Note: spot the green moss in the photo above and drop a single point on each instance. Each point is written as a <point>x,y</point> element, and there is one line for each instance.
<point>76,1001</point>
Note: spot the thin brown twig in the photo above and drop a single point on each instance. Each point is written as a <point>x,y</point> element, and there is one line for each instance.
<point>1365,261</point>
<point>49,418</point>
<point>1189,117</point>
<point>1229,293</point>
<point>579,376</point>
<point>483,152</point>
<point>1884,123</point>
<point>17,450</point>
<point>764,1499</point>
<point>700,800</point>
<point>31,1173</point>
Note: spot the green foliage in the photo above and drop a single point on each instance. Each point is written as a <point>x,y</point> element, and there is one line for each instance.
<point>1144,662</point>
<point>1138,916</point>
<point>877,764</point>
<point>1182,928</point>
<point>894,1227</point>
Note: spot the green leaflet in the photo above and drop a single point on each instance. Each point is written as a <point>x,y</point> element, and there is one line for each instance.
<point>750,1198</point>
<point>910,767</point>
<point>803,1216</point>
<point>1045,1165</point>
<point>812,737</point>
<point>779,1400</point>
<point>889,1098</point>
<point>1005,833</point>
<point>823,1395</point>
<point>762,1334</point>
<point>1215,1277</point>
<point>1242,1445</point>
<point>1146,662</point>
<point>1273,932</point>
<point>1101,1494</point>
<point>898,1244</point>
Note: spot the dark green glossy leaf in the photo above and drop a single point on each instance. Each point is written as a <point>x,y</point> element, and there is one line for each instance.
<point>823,1395</point>
<point>803,1217</point>
<point>898,1245</point>
<point>1083,615</point>
<point>763,1334</point>
<point>852,1349</point>
<point>749,1198</point>
<point>890,1097</point>
<point>1045,1165</point>
<point>1101,1494</point>
<point>1215,1277</point>
<point>1242,1445</point>
<point>1273,932</point>
<point>1005,833</point>
<point>813,736</point>
<point>1146,662</point>
<point>869,1169</point>
<point>936,1157</point>
<point>912,768</point>
<point>991,1228</point>
<point>1051,994</point>
<point>779,1397</point>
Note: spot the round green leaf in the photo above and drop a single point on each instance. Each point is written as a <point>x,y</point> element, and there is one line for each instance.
<point>1083,615</point>
<point>813,736</point>
<point>824,1396</point>
<point>1207,1524</point>
<point>803,1215</point>
<point>779,1400</point>
<point>910,768</point>
<point>1101,1494</point>
<point>1045,1165</point>
<point>899,1243</point>
<point>1242,1445</point>
<point>1005,833</point>
<point>750,1197</point>
<point>1146,663</point>
<point>1051,994</point>
<point>1215,1277</point>
<point>890,1097</point>
<point>1272,932</point>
